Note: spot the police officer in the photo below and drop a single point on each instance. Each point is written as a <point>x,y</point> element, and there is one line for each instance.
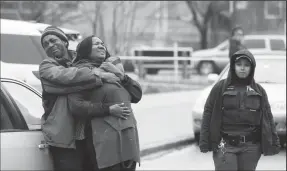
<point>237,123</point>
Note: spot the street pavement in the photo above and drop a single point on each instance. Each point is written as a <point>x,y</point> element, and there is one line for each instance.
<point>190,158</point>
<point>165,118</point>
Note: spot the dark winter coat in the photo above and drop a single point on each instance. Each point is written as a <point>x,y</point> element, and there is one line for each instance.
<point>115,140</point>
<point>210,134</point>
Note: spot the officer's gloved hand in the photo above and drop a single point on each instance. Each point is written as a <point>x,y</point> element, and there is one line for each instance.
<point>203,148</point>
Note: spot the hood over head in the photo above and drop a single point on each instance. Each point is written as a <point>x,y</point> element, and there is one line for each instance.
<point>232,77</point>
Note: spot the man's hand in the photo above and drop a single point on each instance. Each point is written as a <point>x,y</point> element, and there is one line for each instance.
<point>120,111</point>
<point>109,67</point>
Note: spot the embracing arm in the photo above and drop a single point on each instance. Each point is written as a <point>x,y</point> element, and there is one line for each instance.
<point>133,87</point>
<point>81,107</point>
<point>57,79</point>
<point>114,65</point>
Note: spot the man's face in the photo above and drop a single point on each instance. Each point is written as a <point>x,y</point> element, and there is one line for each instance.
<point>54,46</point>
<point>98,49</point>
<point>242,68</point>
<point>238,35</point>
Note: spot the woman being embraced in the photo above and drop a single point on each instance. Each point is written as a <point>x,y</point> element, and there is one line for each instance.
<point>111,132</point>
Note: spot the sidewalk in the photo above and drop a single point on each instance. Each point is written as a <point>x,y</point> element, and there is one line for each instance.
<point>164,120</point>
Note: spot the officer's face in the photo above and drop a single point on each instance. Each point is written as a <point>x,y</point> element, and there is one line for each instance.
<point>242,67</point>
<point>54,46</point>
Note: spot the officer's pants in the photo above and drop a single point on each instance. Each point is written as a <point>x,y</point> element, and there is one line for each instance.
<point>245,156</point>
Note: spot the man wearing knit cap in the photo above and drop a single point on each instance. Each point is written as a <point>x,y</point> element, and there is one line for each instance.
<point>55,42</point>
<point>58,79</point>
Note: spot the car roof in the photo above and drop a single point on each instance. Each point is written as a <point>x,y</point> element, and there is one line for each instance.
<point>264,57</point>
<point>18,27</point>
<point>250,36</point>
<point>42,26</point>
<point>27,28</point>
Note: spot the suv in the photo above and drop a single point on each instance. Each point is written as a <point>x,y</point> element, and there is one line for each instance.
<point>215,59</point>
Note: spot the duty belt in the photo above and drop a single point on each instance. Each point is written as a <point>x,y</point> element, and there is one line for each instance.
<point>236,139</point>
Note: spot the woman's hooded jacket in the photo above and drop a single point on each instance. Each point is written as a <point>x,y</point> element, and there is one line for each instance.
<point>210,135</point>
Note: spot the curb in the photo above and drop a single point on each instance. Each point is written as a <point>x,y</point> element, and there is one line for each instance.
<point>164,147</point>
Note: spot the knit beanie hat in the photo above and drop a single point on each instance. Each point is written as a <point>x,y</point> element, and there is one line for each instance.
<point>53,30</point>
<point>84,49</point>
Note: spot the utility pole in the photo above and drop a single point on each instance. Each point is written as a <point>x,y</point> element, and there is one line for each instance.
<point>158,16</point>
<point>164,19</point>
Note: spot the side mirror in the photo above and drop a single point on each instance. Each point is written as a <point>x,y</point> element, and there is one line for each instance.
<point>212,77</point>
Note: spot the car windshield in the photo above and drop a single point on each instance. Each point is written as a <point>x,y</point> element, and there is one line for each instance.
<point>21,49</point>
<point>268,71</point>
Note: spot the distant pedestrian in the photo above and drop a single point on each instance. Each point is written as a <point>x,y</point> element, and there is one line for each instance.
<point>236,40</point>
<point>237,122</point>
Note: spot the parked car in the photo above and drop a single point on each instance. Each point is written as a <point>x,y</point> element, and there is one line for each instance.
<point>22,142</point>
<point>271,74</point>
<point>215,59</point>
<point>21,51</point>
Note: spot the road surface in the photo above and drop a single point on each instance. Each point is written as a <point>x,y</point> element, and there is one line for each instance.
<point>190,158</point>
<point>165,117</point>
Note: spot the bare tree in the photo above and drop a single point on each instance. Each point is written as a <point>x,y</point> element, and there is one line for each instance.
<point>50,12</point>
<point>36,10</point>
<point>203,12</point>
<point>114,22</point>
<point>60,12</point>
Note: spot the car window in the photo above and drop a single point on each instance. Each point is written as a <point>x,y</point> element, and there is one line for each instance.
<point>254,43</point>
<point>28,102</point>
<point>267,71</point>
<point>277,44</point>
<point>5,119</point>
<point>21,49</point>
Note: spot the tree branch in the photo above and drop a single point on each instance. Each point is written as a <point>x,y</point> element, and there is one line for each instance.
<point>195,17</point>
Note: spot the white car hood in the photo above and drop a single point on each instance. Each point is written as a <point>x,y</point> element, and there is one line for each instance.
<point>276,94</point>
<point>203,53</point>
